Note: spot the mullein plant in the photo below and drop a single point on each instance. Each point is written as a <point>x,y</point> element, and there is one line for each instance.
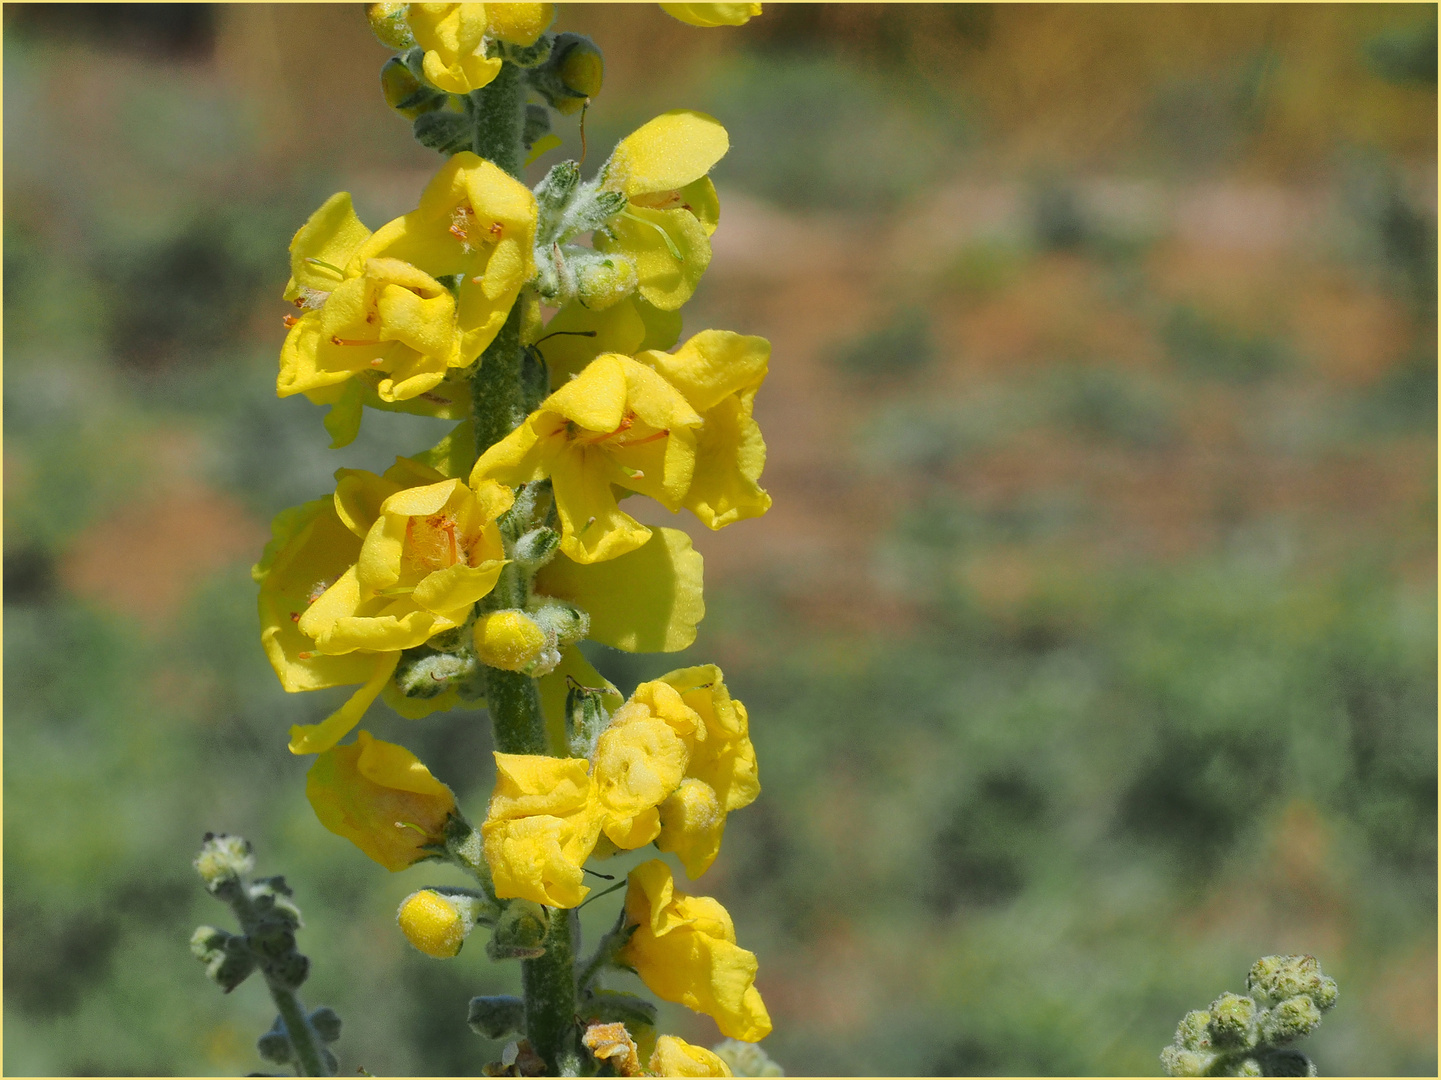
<point>545,324</point>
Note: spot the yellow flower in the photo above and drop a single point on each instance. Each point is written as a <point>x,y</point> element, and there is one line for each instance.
<point>684,949</point>
<point>719,373</point>
<point>712,14</point>
<point>374,304</point>
<point>721,773</point>
<point>676,1057</point>
<point>432,552</point>
<point>672,210</point>
<point>617,425</point>
<point>310,548</point>
<point>381,798</point>
<point>542,825</point>
<point>647,600</point>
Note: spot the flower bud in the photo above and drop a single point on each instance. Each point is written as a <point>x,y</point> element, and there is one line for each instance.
<point>512,641</point>
<point>496,1017</point>
<point>571,75</point>
<point>601,281</point>
<point>326,1024</point>
<point>1290,1019</point>
<point>1275,978</point>
<point>289,971</point>
<point>564,623</point>
<point>437,921</point>
<point>535,548</point>
<point>1233,1021</point>
<point>405,93</point>
<point>1178,1062</point>
<point>274,1045</point>
<point>1248,1067</point>
<point>1194,1031</point>
<point>389,25</point>
<point>227,957</point>
<point>520,932</point>
<point>618,1006</point>
<point>222,860</point>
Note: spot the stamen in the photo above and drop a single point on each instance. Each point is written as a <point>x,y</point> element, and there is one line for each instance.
<point>346,341</point>
<point>295,616</point>
<point>669,243</point>
<point>304,655</point>
<point>337,271</point>
<point>289,320</point>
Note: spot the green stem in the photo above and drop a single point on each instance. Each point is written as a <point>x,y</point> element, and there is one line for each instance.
<point>549,984</point>
<point>500,404</point>
<point>496,390</point>
<point>303,1038</point>
<point>498,111</point>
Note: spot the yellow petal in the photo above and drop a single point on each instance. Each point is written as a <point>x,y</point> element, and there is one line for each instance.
<point>676,1057</point>
<point>380,797</point>
<point>666,280</point>
<point>322,247</point>
<point>713,14</point>
<point>669,152</point>
<point>692,825</point>
<point>648,600</point>
<point>519,24</point>
<point>316,738</point>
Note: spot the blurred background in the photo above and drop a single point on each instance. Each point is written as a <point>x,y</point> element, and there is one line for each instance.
<point>1090,647</point>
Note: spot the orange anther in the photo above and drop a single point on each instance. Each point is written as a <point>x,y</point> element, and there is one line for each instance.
<point>289,320</point>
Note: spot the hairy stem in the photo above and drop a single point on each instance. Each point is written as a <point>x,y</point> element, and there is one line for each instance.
<point>303,1038</point>
<point>500,403</point>
<point>499,114</point>
<point>549,983</point>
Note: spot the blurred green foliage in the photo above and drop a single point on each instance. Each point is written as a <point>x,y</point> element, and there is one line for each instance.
<point>1136,680</point>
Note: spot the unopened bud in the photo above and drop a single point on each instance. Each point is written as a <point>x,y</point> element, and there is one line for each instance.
<point>1248,1067</point>
<point>437,921</point>
<point>1233,1021</point>
<point>512,641</point>
<point>326,1023</point>
<point>1194,1031</point>
<point>564,623</point>
<point>571,75</point>
<point>1178,1062</point>
<point>496,1017</point>
<point>405,93</point>
<point>1276,978</point>
<point>1290,1019</point>
<point>289,971</point>
<point>275,1045</point>
<point>389,25</point>
<point>222,860</point>
<point>520,932</point>
<point>601,281</point>
<point>535,548</point>
<point>227,957</point>
<point>617,1006</point>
